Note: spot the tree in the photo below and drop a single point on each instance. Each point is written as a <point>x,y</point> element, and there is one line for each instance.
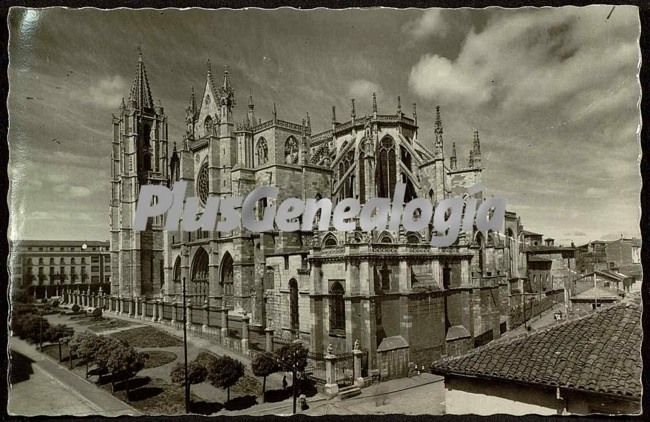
<point>89,347</point>
<point>19,295</point>
<point>224,372</point>
<point>263,365</point>
<point>293,357</point>
<point>57,333</point>
<point>196,373</point>
<point>29,326</point>
<point>124,362</point>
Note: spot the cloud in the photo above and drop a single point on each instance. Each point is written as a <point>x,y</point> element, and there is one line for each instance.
<point>106,93</point>
<point>362,88</point>
<point>530,59</point>
<point>432,22</point>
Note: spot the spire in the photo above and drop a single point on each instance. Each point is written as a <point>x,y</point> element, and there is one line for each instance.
<point>193,100</point>
<point>399,106</point>
<point>226,92</point>
<point>477,143</point>
<point>275,113</point>
<point>333,114</point>
<point>415,113</point>
<point>251,110</point>
<point>438,127</point>
<point>354,111</point>
<point>308,121</point>
<point>438,144</point>
<point>226,79</point>
<point>374,103</point>
<point>140,95</point>
<point>452,159</point>
<point>475,153</point>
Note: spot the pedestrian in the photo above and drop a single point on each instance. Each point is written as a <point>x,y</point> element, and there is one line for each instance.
<point>284,382</point>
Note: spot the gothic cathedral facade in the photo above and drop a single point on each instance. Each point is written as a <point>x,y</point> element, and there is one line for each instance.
<point>381,288</point>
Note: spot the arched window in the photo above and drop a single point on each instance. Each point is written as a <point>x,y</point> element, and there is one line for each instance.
<point>177,270</point>
<point>481,247</point>
<point>202,183</point>
<point>385,238</point>
<point>291,150</point>
<point>330,242</point>
<point>386,171</point>
<point>293,304</point>
<point>200,265</point>
<point>362,175</point>
<point>347,188</point>
<point>226,279</point>
<point>412,238</point>
<point>262,152</point>
<point>337,307</point>
<point>207,124</point>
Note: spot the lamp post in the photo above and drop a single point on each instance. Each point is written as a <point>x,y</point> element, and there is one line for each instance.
<point>187,385</point>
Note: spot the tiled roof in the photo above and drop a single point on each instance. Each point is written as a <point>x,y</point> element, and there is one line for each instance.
<point>599,353</point>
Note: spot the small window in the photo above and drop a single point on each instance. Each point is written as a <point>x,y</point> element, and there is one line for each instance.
<point>337,308</point>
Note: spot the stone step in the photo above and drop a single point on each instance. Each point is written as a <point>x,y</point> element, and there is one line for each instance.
<point>349,391</point>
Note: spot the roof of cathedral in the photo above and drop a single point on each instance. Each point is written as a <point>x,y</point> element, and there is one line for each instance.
<point>140,91</point>
<point>599,353</point>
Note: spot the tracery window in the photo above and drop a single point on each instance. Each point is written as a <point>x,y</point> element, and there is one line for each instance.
<point>227,271</point>
<point>202,183</point>
<point>291,151</point>
<point>293,304</point>
<point>386,171</point>
<point>262,152</point>
<point>347,188</point>
<point>337,307</point>
<point>208,124</point>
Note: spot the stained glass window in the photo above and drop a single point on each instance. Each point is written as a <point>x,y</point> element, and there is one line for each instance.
<point>202,183</point>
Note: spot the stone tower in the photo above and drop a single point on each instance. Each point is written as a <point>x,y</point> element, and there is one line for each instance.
<point>139,157</point>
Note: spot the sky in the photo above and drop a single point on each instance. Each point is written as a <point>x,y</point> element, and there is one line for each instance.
<point>553,92</point>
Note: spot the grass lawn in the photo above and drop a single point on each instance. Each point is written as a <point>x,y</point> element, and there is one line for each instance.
<point>109,324</point>
<point>158,358</point>
<point>153,396</point>
<point>147,337</point>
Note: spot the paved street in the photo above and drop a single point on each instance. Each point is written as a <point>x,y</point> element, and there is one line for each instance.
<point>59,391</point>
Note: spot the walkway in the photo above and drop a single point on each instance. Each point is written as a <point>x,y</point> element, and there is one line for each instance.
<point>41,392</point>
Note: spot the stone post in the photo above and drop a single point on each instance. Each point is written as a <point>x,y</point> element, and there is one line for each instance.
<point>224,325</point>
<point>269,339</point>
<point>357,353</point>
<point>244,334</point>
<point>143,311</point>
<point>154,311</point>
<point>331,387</point>
<point>206,317</point>
<point>159,306</point>
<point>188,315</point>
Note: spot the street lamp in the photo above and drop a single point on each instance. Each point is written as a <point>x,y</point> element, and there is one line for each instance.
<point>187,385</point>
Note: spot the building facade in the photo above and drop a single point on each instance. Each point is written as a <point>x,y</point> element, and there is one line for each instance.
<point>325,287</point>
<point>44,268</point>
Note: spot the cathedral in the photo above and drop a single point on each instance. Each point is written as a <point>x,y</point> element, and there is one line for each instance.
<point>378,291</point>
